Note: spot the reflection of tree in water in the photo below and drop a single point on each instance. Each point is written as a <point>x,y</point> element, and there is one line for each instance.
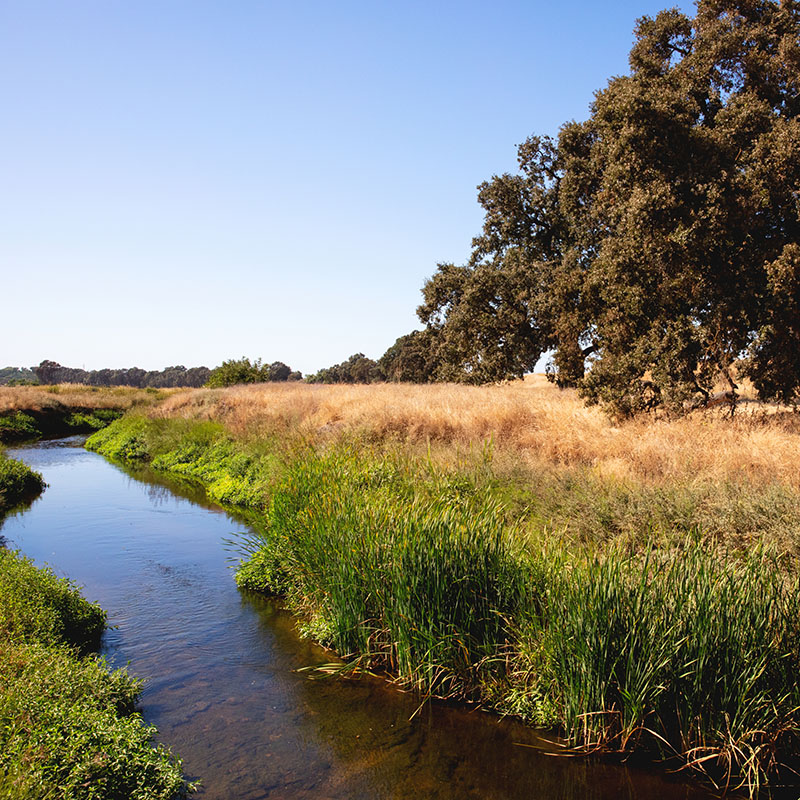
<point>158,495</point>
<point>374,750</point>
<point>20,508</point>
<point>162,490</point>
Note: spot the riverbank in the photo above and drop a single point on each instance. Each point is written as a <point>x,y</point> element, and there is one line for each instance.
<point>69,724</point>
<point>31,412</point>
<point>69,727</point>
<point>470,569</point>
<point>17,483</point>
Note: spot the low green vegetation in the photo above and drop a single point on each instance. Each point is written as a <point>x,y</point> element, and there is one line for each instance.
<point>19,425</point>
<point>69,729</point>
<point>660,641</point>
<point>201,452</point>
<point>17,483</point>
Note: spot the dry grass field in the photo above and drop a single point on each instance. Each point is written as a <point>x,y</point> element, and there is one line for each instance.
<point>530,421</point>
<point>42,398</point>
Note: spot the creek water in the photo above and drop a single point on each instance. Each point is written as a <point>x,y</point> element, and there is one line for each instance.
<point>221,666</point>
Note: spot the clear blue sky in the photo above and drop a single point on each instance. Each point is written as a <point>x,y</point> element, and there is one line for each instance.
<point>184,181</point>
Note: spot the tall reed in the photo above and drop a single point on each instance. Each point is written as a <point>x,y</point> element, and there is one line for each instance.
<point>667,643</point>
<point>421,583</point>
<point>691,652</point>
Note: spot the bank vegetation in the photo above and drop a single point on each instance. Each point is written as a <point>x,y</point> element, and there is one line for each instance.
<point>633,585</point>
<point>68,723</point>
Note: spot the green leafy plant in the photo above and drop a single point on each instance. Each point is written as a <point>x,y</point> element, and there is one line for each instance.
<point>69,729</point>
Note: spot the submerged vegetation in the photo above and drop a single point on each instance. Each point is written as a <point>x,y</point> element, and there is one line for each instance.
<point>455,541</point>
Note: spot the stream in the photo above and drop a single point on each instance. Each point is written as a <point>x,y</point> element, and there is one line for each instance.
<point>220,665</point>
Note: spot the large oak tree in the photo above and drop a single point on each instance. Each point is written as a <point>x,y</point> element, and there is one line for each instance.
<point>654,249</point>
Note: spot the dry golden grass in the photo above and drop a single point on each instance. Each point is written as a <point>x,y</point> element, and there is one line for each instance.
<point>530,421</point>
<point>41,398</point>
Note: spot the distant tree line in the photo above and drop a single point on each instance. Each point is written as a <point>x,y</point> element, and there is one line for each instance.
<point>227,374</point>
<point>17,376</point>
<point>357,369</point>
<point>50,372</point>
<point>411,359</point>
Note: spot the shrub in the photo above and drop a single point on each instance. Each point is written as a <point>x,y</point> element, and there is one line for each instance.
<point>68,730</point>
<point>17,482</point>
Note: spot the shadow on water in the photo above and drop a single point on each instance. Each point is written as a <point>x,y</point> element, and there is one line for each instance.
<point>221,666</point>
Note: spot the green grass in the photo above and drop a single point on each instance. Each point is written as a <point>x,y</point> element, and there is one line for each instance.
<point>18,426</point>
<point>200,452</point>
<point>422,583</point>
<point>17,483</point>
<point>69,730</point>
<point>687,652</point>
<point>599,609</point>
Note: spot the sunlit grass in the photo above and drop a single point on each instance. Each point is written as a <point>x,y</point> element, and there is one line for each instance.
<point>638,601</point>
<point>68,730</point>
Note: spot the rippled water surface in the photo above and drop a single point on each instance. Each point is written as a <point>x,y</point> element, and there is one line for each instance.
<point>220,666</point>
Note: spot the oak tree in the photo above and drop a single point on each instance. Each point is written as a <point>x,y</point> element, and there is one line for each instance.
<point>653,249</point>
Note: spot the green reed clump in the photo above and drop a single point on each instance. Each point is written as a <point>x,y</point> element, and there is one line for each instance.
<point>17,482</point>
<point>68,729</point>
<point>692,652</point>
<point>422,584</point>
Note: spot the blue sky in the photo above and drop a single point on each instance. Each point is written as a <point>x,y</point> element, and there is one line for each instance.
<point>186,181</point>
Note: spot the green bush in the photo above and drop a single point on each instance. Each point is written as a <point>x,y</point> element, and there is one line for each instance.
<point>40,607</point>
<point>17,482</point>
<point>68,729</point>
<point>18,426</point>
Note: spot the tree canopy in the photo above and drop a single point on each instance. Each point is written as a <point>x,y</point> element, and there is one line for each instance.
<point>357,369</point>
<point>242,370</point>
<point>653,249</point>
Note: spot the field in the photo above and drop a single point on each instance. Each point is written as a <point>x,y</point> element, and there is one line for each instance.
<point>28,412</point>
<point>631,585</point>
<point>574,470</point>
<point>538,422</point>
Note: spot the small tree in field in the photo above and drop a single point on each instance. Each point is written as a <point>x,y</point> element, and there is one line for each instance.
<point>236,371</point>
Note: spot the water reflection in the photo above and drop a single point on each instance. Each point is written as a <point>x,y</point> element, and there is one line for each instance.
<point>221,666</point>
